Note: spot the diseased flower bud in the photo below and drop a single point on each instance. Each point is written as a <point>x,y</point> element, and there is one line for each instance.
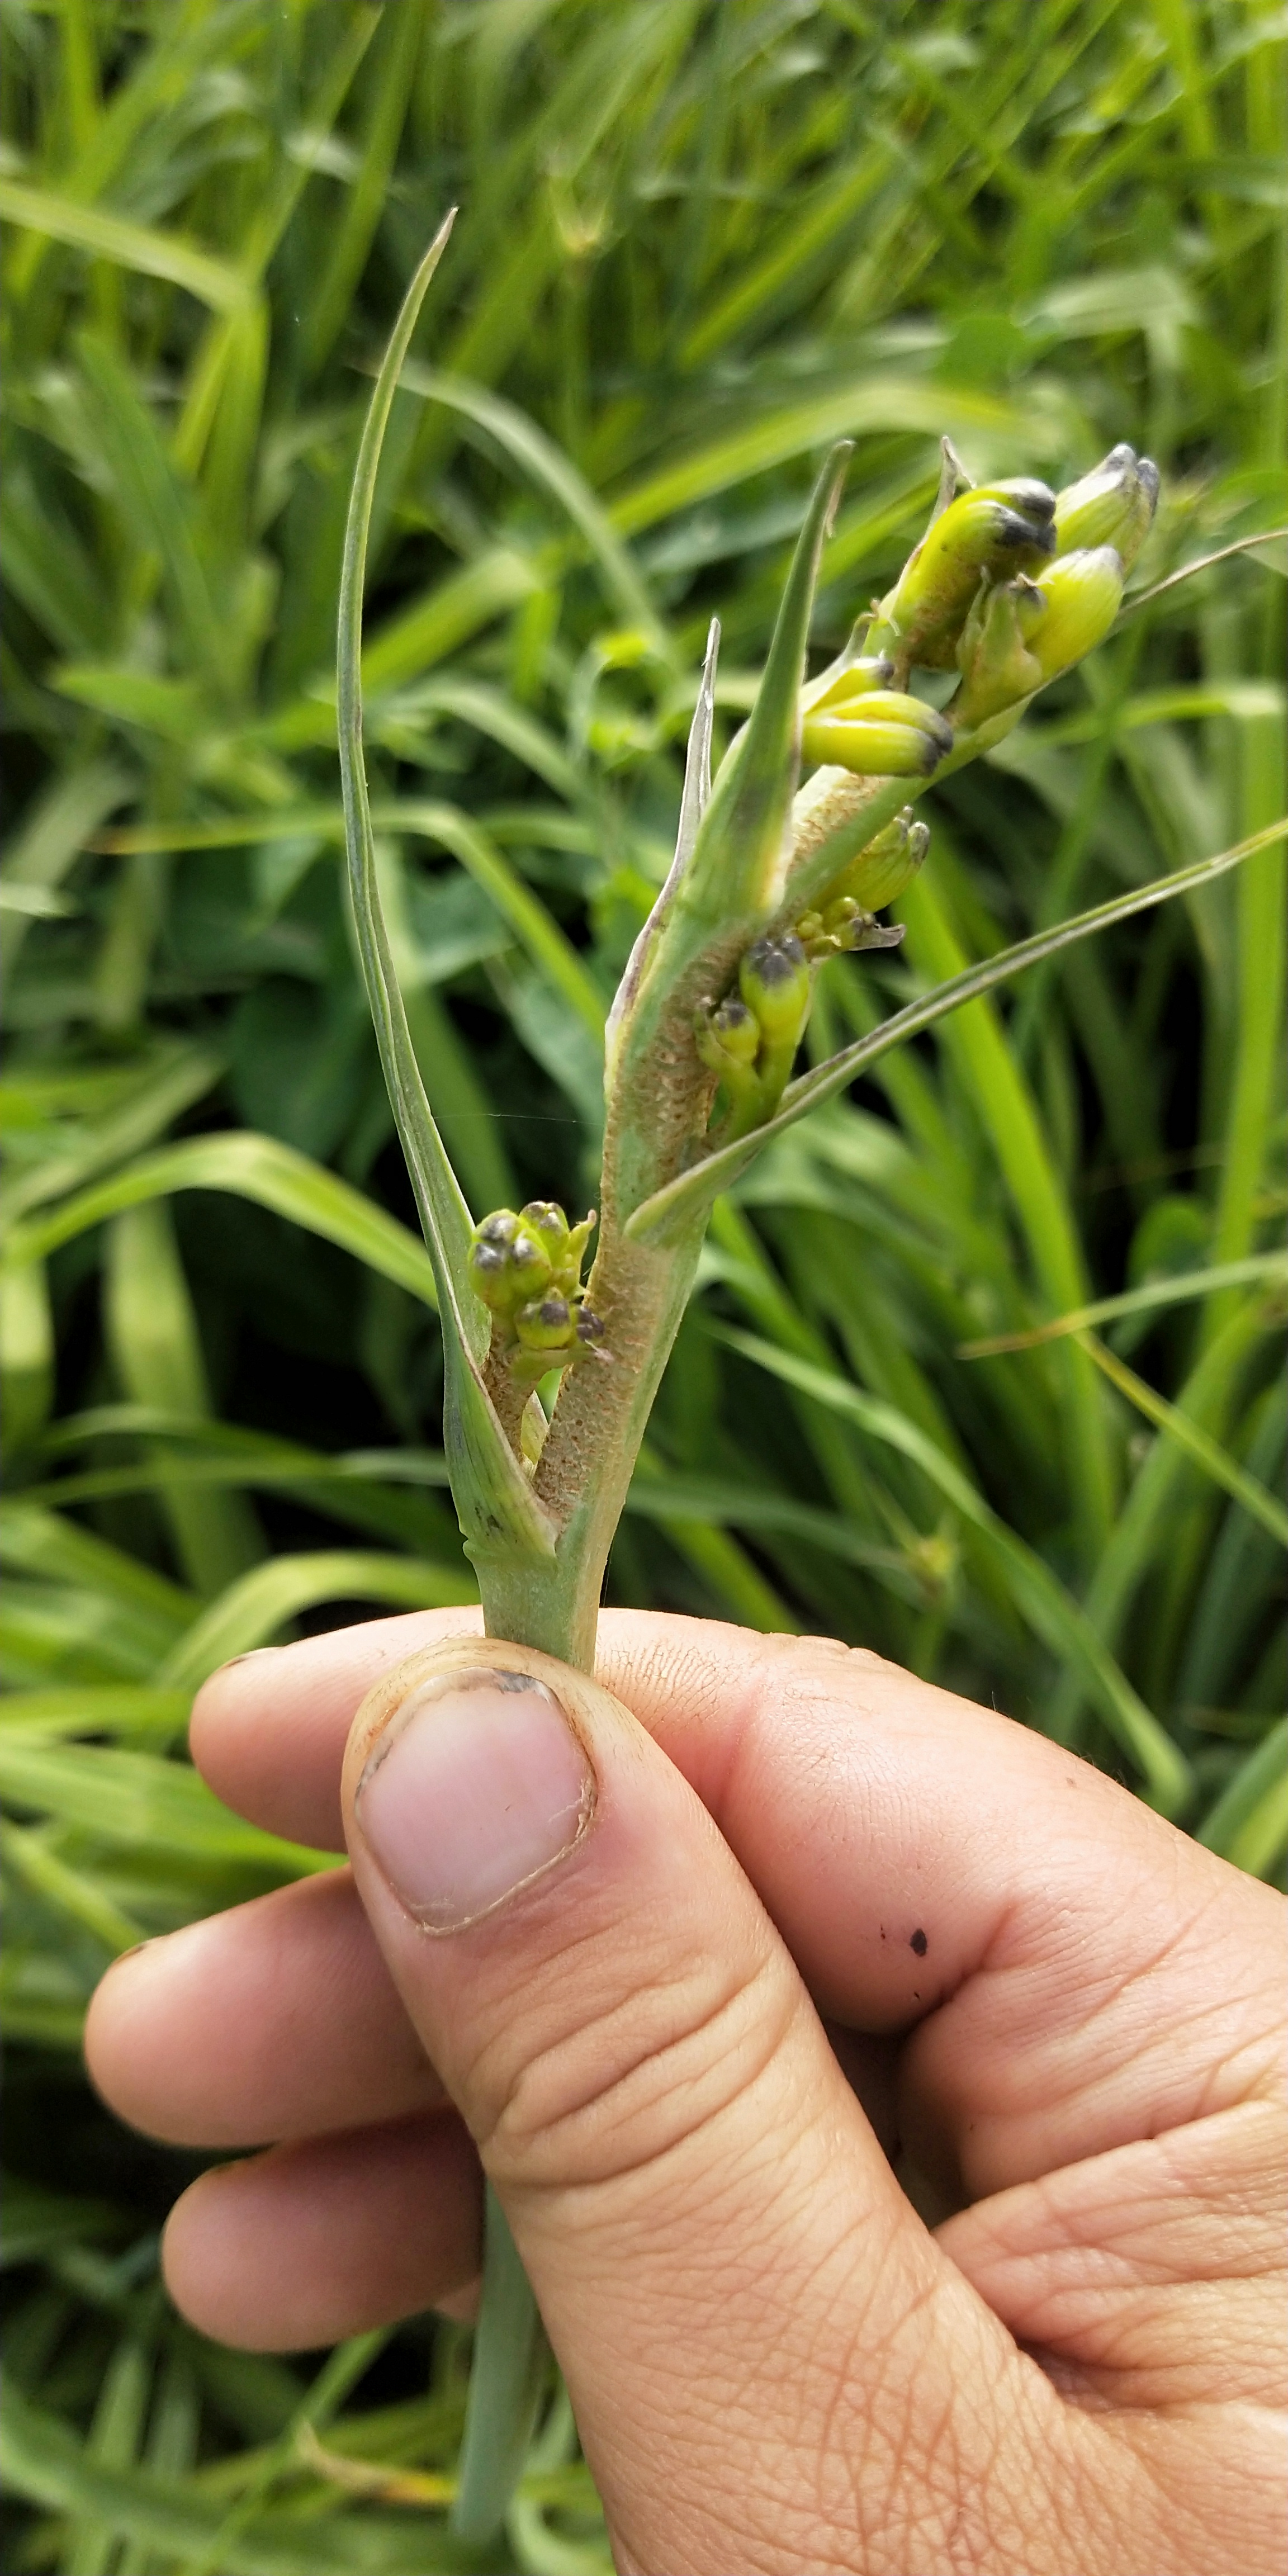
<point>1113,505</point>
<point>1079,595</point>
<point>508,1264</point>
<point>879,735</point>
<point>888,863</point>
<point>546,1219</point>
<point>728,1039</point>
<point>516,1262</point>
<point>564,1245</point>
<point>548,1335</point>
<point>774,982</point>
<point>546,1326</point>
<point>1025,633</point>
<point>853,680</point>
<point>996,530</point>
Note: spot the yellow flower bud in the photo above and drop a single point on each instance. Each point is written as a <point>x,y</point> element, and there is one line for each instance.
<point>879,735</point>
<point>886,866</point>
<point>1025,633</point>
<point>1000,528</point>
<point>774,982</point>
<point>1070,608</point>
<point>1114,506</point>
<point>728,1039</point>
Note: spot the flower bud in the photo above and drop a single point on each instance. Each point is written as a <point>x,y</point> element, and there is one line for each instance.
<point>999,529</point>
<point>774,982</point>
<point>889,863</point>
<point>996,665</point>
<point>546,1219</point>
<point>880,735</point>
<point>728,1039</point>
<point>1070,608</point>
<point>1025,633</point>
<point>564,1245</point>
<point>842,929</point>
<point>886,866</point>
<point>508,1264</point>
<point>855,680</point>
<point>546,1328</point>
<point>1114,506</point>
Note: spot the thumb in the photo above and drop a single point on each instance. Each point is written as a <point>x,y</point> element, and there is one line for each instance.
<point>749,2315</point>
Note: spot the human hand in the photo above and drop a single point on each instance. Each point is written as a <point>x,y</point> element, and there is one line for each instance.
<point>1065,2012</point>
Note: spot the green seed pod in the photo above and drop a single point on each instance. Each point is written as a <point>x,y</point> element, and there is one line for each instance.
<point>774,982</point>
<point>1114,506</point>
<point>883,735</point>
<point>995,531</point>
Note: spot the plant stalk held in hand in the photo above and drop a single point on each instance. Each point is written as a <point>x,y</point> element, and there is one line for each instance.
<point>549,1380</point>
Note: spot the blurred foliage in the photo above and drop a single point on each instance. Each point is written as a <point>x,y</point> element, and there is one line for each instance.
<point>696,243</point>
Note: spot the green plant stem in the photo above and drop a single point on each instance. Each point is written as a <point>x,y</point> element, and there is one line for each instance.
<point>505,2385</point>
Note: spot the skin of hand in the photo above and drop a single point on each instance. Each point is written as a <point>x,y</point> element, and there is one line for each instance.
<point>786,1930</point>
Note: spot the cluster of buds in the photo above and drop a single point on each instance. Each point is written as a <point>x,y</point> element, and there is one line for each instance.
<point>1010,586</point>
<point>985,535</point>
<point>527,1270</point>
<point>751,1038</point>
<point>844,918</point>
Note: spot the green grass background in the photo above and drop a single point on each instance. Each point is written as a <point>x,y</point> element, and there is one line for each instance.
<point>696,243</point>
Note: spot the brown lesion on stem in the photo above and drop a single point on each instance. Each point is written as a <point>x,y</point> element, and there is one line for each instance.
<point>508,1400</point>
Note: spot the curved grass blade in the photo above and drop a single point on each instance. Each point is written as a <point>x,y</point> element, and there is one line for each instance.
<point>153,254</point>
<point>143,1802</point>
<point>498,1512</point>
<point>252,1167</point>
<point>695,1189</point>
<point>553,472</point>
<point>1242,546</point>
<point>1206,1452</point>
<point>252,1609</point>
<point>1051,1612</point>
<point>1249,1822</point>
<point>1178,1290</point>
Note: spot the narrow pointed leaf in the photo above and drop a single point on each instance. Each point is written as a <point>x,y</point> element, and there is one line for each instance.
<point>498,1511</point>
<point>740,851</point>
